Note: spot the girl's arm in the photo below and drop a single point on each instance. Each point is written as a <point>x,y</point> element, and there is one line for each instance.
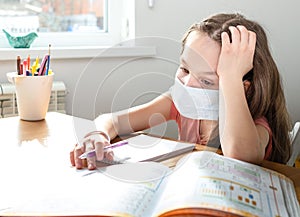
<point>137,118</point>
<point>110,125</point>
<point>240,137</point>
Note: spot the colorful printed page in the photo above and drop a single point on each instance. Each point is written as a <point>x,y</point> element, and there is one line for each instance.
<point>211,181</point>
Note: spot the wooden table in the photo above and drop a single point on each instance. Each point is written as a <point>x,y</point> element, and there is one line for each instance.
<point>21,142</point>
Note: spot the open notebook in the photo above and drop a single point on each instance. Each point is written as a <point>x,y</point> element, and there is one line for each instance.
<point>149,148</point>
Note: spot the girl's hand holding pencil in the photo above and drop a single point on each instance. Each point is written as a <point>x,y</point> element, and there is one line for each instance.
<point>94,147</point>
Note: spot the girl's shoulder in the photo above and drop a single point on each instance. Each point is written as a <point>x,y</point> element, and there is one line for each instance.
<point>263,122</point>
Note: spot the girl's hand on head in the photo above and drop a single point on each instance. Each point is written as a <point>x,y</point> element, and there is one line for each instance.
<point>90,142</point>
<point>236,58</point>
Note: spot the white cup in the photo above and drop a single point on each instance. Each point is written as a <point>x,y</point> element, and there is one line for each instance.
<point>33,95</point>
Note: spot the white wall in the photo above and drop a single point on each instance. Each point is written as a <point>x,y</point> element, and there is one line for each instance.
<point>171,18</point>
<point>107,84</point>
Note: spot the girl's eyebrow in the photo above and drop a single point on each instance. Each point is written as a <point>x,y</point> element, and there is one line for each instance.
<point>183,61</point>
<point>209,73</point>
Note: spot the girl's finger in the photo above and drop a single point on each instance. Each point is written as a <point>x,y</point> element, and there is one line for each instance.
<point>99,150</point>
<point>252,40</point>
<point>244,36</point>
<point>91,162</point>
<point>225,40</point>
<point>91,159</point>
<point>79,150</point>
<point>72,158</point>
<point>109,155</point>
<point>235,35</point>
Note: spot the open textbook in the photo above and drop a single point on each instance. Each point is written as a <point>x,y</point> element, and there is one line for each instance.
<point>202,183</point>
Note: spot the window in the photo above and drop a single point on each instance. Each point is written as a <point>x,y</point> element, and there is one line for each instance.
<point>21,16</point>
<point>63,23</point>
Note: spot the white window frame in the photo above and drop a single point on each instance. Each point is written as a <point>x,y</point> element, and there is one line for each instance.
<point>115,17</point>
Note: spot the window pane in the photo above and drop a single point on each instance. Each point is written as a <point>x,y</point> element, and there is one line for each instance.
<point>22,16</point>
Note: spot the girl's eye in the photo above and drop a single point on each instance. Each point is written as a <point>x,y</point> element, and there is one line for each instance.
<point>184,70</point>
<point>207,83</point>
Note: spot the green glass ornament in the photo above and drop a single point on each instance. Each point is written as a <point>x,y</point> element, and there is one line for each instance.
<point>20,41</point>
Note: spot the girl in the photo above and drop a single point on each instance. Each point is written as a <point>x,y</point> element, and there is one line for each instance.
<point>227,81</point>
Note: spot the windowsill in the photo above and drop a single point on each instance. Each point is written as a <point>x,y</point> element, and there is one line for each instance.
<point>79,52</point>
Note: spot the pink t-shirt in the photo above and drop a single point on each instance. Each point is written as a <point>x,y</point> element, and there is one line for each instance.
<point>189,129</point>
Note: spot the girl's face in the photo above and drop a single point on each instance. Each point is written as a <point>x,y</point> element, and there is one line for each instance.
<point>198,62</point>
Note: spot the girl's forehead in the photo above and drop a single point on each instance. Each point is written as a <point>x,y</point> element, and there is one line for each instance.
<point>200,51</point>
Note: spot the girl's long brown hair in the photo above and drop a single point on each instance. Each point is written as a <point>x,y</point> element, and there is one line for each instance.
<point>265,95</point>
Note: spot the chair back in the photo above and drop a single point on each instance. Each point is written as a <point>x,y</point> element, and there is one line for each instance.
<point>295,139</point>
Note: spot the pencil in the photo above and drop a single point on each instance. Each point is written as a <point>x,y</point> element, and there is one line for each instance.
<point>92,153</point>
<point>48,61</point>
<point>18,65</point>
<point>28,62</point>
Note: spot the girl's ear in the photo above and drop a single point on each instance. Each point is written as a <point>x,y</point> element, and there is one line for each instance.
<point>246,84</point>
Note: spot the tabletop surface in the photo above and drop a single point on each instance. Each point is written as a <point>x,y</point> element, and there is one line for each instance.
<point>27,142</point>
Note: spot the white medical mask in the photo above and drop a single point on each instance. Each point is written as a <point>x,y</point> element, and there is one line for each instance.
<point>195,103</point>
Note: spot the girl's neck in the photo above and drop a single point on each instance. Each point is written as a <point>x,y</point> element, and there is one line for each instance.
<point>207,130</point>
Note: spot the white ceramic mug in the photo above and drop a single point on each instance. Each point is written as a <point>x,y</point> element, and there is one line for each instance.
<point>33,95</point>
